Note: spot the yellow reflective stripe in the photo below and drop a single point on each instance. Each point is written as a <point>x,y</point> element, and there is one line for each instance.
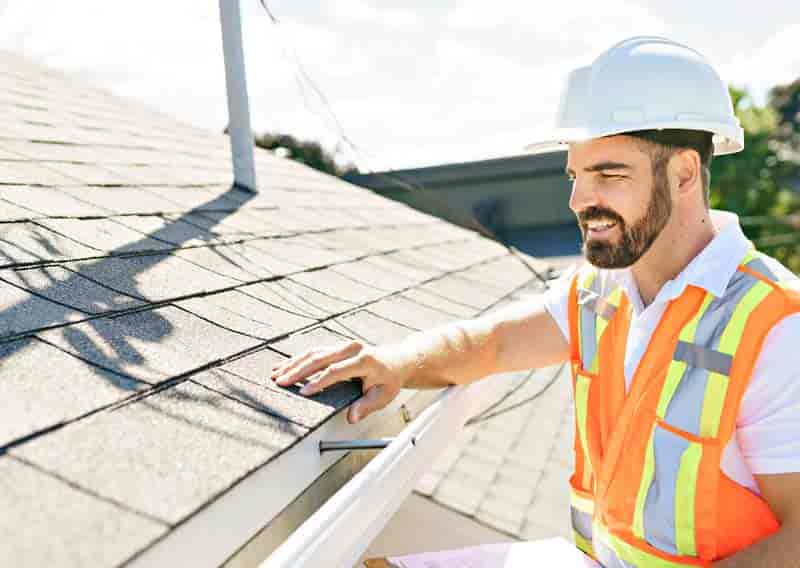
<point>685,495</point>
<point>600,326</point>
<point>585,283</point>
<point>690,329</point>
<point>678,368</point>
<point>644,486</point>
<point>583,504</point>
<point>750,256</point>
<point>582,408</point>
<point>674,375</point>
<point>630,553</point>
<point>717,385</point>
<point>583,544</point>
<point>733,331</point>
<point>714,400</point>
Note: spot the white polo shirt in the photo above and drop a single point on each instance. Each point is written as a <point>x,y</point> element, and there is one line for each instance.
<point>767,436</point>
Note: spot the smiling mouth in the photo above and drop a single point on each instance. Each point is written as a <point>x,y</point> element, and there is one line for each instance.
<point>599,228</point>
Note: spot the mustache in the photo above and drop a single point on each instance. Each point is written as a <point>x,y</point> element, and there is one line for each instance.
<point>592,213</point>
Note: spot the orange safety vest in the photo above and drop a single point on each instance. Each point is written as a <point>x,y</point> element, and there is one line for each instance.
<point>647,488</point>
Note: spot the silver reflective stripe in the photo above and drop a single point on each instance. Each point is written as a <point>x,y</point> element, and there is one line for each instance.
<point>659,512</point>
<point>686,405</point>
<point>582,523</point>
<point>686,408</point>
<point>761,267</point>
<point>607,557</point>
<point>702,358</point>
<point>601,307</point>
<point>588,319</point>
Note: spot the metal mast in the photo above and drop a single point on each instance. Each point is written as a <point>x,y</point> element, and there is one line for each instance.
<point>244,170</point>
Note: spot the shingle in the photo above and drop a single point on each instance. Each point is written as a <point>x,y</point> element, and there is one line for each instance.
<point>408,313</point>
<point>363,271</point>
<point>172,230</point>
<point>231,261</point>
<point>45,522</point>
<point>151,277</point>
<point>60,285</point>
<point>463,291</point>
<point>256,368</point>
<point>212,224</point>
<point>317,337</point>
<point>26,173</point>
<point>297,298</point>
<point>27,242</point>
<point>88,174</point>
<point>199,199</point>
<point>10,212</point>
<point>395,264</point>
<point>334,284</point>
<point>245,314</point>
<point>167,454</point>
<point>436,302</point>
<point>104,235</point>
<point>265,396</point>
<point>21,311</point>
<point>369,327</point>
<point>49,201</point>
<point>150,345</point>
<point>121,199</point>
<point>244,221</point>
<point>41,385</point>
<point>299,251</point>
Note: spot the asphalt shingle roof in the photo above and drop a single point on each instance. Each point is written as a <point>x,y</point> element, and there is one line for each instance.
<point>143,300</point>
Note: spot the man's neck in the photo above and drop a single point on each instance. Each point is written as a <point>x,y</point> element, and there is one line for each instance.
<point>676,246</point>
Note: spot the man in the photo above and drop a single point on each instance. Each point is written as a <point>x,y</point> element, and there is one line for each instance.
<point>683,340</point>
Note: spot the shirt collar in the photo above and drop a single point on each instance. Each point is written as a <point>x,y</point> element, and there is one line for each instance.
<point>710,270</point>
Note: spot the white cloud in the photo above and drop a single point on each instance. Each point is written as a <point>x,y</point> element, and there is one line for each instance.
<point>776,61</point>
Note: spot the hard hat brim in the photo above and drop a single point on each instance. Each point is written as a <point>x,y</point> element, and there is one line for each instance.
<point>728,139</point>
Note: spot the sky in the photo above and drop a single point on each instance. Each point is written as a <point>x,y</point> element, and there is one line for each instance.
<point>411,84</point>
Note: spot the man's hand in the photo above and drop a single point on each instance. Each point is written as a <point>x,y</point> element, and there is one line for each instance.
<point>382,371</point>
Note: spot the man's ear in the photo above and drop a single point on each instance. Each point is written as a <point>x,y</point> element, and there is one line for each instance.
<point>687,170</point>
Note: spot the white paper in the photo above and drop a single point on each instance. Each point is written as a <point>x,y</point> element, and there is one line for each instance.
<point>550,552</point>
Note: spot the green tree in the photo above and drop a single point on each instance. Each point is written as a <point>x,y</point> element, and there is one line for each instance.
<point>754,183</point>
<point>306,152</point>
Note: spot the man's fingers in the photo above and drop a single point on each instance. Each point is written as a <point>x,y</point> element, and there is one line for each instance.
<point>292,363</point>
<point>376,397</point>
<point>336,373</point>
<point>316,362</point>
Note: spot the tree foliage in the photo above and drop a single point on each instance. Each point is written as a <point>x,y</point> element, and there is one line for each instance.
<point>756,183</point>
<point>306,152</point>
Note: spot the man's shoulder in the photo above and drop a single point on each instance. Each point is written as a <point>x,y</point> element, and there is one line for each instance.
<point>773,269</point>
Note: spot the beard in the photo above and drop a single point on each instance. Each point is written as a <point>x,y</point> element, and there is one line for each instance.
<point>636,239</point>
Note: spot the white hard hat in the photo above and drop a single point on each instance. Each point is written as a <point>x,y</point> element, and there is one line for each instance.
<point>645,83</point>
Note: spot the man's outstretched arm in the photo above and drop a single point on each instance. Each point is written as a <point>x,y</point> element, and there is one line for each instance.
<point>520,336</point>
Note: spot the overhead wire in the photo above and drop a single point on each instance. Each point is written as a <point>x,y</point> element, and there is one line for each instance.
<point>302,78</point>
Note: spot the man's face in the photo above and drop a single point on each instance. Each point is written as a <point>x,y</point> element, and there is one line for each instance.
<point>621,206</point>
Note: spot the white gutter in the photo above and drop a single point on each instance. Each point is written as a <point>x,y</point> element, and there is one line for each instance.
<point>243,510</point>
<point>341,530</point>
<point>241,135</point>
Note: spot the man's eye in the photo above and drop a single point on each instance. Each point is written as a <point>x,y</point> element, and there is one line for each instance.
<point>612,176</point>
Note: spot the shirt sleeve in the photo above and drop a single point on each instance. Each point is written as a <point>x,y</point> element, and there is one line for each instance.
<point>768,425</point>
<point>556,301</point>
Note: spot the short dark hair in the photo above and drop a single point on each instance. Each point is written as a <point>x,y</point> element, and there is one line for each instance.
<point>661,144</point>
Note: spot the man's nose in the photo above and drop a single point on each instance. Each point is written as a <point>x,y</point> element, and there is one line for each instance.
<point>583,195</point>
